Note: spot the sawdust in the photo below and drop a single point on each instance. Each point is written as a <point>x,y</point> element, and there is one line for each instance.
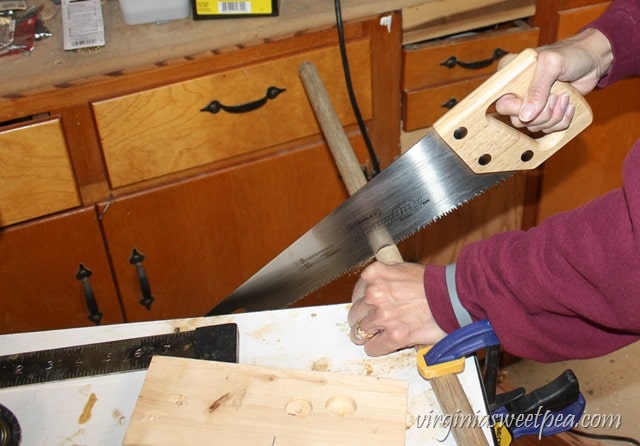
<point>119,417</point>
<point>321,365</point>
<point>71,439</point>
<point>88,407</point>
<point>384,365</point>
<point>368,369</point>
<point>263,332</point>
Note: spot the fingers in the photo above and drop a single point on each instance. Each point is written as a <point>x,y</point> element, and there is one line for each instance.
<point>539,110</point>
<point>362,332</point>
<point>546,72</point>
<point>357,314</point>
<point>367,286</point>
<point>387,341</point>
<point>556,115</point>
<point>390,310</point>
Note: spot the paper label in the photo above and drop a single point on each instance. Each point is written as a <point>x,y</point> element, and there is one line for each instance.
<point>83,24</point>
<point>216,7</point>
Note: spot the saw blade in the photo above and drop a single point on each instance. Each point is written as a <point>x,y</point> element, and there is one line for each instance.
<point>467,152</point>
<point>421,186</point>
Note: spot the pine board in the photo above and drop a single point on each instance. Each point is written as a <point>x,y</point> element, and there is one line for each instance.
<point>189,401</point>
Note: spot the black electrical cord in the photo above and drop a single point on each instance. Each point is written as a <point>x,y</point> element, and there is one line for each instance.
<point>606,437</point>
<point>375,163</point>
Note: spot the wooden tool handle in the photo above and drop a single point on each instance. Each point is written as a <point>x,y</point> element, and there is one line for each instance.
<point>487,144</point>
<point>343,154</point>
<point>447,388</point>
<point>453,401</point>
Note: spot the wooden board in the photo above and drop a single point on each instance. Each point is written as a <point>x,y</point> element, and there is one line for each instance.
<point>188,401</point>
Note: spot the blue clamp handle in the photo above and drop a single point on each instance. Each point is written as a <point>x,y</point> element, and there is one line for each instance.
<point>478,335</point>
<point>541,423</point>
<point>462,342</point>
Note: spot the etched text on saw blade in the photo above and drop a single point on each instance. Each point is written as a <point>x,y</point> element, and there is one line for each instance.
<point>374,219</point>
<point>323,254</point>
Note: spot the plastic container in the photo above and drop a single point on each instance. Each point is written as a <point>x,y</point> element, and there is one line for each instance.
<point>135,12</point>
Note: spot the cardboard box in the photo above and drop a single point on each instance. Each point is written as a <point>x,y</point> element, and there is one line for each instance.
<point>216,9</point>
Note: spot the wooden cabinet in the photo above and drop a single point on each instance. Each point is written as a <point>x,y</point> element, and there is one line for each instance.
<point>170,205</point>
<point>174,180</point>
<point>36,177</point>
<point>55,273</point>
<point>203,236</point>
<point>591,165</point>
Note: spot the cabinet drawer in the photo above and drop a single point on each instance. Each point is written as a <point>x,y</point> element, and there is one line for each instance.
<point>36,177</point>
<point>163,130</point>
<point>571,20</point>
<point>424,106</point>
<point>453,59</point>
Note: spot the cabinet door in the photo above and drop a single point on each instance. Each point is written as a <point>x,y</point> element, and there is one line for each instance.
<point>203,237</point>
<point>38,283</point>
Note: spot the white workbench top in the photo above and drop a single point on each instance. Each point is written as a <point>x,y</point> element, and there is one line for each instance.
<point>312,338</point>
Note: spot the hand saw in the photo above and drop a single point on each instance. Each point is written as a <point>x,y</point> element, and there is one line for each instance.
<point>467,152</point>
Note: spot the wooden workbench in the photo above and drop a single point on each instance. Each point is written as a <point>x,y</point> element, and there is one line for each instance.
<point>131,46</point>
<point>314,338</point>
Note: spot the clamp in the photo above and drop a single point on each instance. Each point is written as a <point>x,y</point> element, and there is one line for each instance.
<point>548,410</point>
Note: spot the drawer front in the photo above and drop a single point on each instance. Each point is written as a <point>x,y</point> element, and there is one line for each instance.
<point>163,130</point>
<point>424,106</point>
<point>36,177</point>
<point>454,59</point>
<point>570,21</point>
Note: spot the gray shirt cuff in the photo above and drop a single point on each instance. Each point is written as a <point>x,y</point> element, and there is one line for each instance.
<point>462,315</point>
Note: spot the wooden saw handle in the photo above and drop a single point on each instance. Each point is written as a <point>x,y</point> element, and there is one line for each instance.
<point>447,388</point>
<point>487,144</point>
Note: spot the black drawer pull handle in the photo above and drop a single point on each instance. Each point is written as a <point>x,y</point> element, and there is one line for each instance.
<point>136,259</point>
<point>453,61</point>
<point>215,106</point>
<point>83,275</point>
<point>450,104</point>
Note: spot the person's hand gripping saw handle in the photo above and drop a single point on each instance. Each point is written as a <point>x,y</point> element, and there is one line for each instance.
<point>581,60</point>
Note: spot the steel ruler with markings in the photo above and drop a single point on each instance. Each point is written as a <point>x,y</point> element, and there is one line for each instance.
<point>215,343</point>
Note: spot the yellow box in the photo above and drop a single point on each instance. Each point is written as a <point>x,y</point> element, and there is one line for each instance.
<point>220,9</point>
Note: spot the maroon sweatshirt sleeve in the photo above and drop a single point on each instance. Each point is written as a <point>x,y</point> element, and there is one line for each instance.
<point>621,24</point>
<point>569,288</point>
